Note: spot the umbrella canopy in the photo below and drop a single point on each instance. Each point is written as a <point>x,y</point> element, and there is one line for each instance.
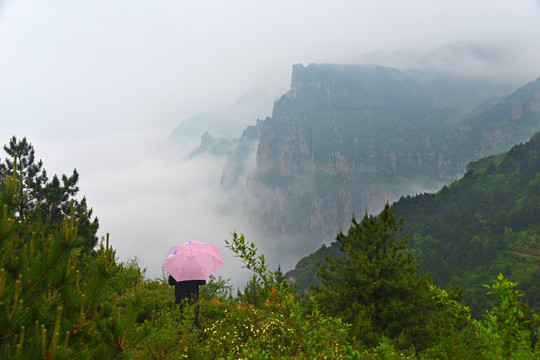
<point>193,260</point>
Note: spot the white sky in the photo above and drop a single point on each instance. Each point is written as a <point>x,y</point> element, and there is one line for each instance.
<point>99,85</point>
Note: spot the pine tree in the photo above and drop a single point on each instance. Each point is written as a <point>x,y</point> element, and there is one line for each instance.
<point>51,200</point>
<point>32,175</point>
<point>53,300</point>
<point>256,294</point>
<point>374,286</point>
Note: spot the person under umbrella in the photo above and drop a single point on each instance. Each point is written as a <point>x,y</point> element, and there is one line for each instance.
<point>189,265</point>
<point>187,291</point>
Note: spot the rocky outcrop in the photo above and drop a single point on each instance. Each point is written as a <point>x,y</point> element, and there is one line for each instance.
<point>283,148</point>
<point>347,139</point>
<point>239,165</point>
<point>214,145</point>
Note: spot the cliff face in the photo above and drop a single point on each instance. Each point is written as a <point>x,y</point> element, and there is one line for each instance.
<point>283,148</point>
<point>512,120</point>
<point>346,139</point>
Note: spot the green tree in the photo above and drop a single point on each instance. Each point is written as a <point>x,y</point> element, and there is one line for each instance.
<point>54,302</point>
<point>503,325</point>
<point>216,288</point>
<point>374,286</point>
<point>256,294</point>
<point>50,200</point>
<point>31,174</point>
<point>314,335</point>
<point>253,293</point>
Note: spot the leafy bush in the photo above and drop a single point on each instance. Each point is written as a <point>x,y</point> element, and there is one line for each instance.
<point>502,332</point>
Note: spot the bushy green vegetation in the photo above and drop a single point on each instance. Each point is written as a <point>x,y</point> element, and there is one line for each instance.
<point>470,231</point>
<point>484,224</point>
<point>375,286</point>
<point>46,200</point>
<point>55,302</point>
<point>59,301</point>
<point>283,325</point>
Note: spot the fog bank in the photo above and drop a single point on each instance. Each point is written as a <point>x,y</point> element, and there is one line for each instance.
<point>149,196</point>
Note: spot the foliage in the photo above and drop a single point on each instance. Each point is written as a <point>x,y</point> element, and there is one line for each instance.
<point>502,323</point>
<point>285,328</point>
<point>315,335</point>
<point>216,289</point>
<point>253,293</point>
<point>57,302</point>
<point>502,330</point>
<point>481,225</point>
<point>375,286</point>
<point>248,330</point>
<point>468,232</point>
<point>48,308</point>
<point>173,337</point>
<point>256,294</point>
<point>49,200</point>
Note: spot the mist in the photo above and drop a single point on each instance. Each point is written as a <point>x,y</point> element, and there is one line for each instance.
<point>100,86</point>
<point>149,195</point>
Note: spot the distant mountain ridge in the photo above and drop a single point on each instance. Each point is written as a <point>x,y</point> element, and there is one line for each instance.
<point>466,59</point>
<point>509,121</point>
<point>228,123</point>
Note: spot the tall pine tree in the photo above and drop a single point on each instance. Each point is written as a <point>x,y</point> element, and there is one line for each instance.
<point>49,200</point>
<point>53,300</point>
<point>374,285</point>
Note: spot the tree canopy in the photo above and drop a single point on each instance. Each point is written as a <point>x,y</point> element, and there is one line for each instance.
<point>49,200</point>
<point>373,284</point>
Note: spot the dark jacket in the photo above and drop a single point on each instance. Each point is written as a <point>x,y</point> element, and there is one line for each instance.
<point>186,289</point>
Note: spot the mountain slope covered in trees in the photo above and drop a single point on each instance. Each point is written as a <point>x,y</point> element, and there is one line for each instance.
<point>487,222</point>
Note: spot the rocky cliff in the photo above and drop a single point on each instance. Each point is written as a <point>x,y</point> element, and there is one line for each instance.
<point>348,138</point>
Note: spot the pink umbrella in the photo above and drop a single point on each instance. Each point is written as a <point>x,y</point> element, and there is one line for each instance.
<point>193,260</point>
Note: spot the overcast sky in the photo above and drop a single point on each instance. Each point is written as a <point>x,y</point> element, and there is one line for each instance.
<point>99,85</point>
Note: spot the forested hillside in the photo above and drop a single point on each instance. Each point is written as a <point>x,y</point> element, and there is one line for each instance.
<point>487,222</point>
